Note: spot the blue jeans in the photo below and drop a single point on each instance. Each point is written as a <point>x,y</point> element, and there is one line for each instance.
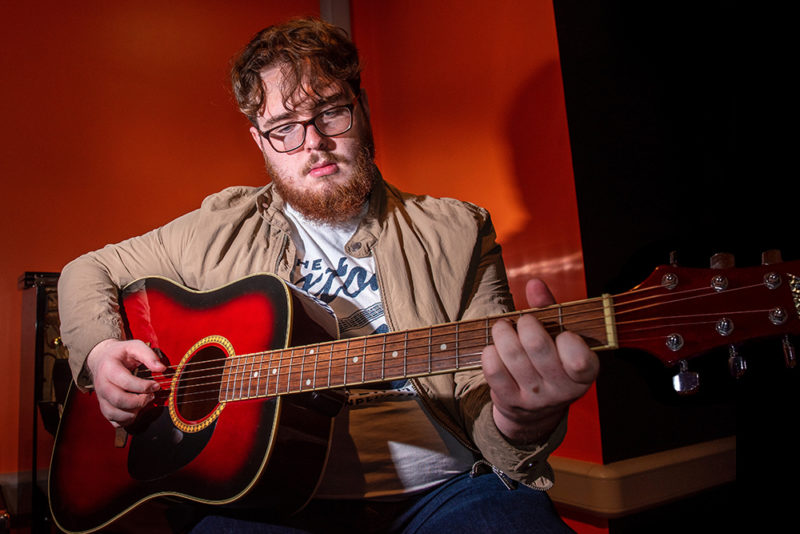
<point>463,504</point>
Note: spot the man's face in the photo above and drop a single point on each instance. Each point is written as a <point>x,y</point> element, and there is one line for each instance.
<point>327,179</point>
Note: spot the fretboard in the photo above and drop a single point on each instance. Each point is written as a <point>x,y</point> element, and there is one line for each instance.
<point>425,351</point>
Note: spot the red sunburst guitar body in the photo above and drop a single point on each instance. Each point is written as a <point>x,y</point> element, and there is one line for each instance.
<point>208,451</point>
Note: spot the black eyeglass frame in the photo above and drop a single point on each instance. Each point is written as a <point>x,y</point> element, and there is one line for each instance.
<point>311,121</point>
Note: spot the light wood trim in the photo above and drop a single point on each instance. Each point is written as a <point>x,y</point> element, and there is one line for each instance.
<point>628,486</point>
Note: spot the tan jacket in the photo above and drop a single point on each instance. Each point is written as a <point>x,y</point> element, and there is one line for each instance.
<point>436,260</point>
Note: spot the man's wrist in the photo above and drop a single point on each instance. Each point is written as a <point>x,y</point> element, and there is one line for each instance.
<point>530,433</point>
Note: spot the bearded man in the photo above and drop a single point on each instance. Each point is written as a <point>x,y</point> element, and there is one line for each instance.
<point>455,452</point>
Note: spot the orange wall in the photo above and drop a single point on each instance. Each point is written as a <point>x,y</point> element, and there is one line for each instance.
<point>118,118</point>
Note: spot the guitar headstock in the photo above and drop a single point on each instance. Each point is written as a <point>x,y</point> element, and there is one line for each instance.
<point>679,313</point>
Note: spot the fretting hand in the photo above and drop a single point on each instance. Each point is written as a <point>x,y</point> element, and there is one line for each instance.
<point>533,377</point>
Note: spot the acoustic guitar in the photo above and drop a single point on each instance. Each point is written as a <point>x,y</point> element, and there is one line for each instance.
<point>254,377</point>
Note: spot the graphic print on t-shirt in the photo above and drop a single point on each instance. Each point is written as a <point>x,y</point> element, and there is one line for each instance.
<point>350,289</point>
<point>347,284</point>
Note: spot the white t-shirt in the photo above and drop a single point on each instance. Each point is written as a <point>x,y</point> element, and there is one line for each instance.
<point>384,443</point>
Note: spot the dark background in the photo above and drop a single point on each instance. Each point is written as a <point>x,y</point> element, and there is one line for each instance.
<point>678,115</point>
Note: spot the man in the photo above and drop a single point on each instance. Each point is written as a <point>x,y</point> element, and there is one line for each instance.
<point>408,456</point>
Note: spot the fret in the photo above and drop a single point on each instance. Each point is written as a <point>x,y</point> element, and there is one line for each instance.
<point>430,343</point>
<point>330,363</point>
<point>383,358</point>
<point>364,362</point>
<point>561,318</point>
<point>316,363</point>
<point>458,365</point>
<point>405,353</point>
<point>261,376</point>
<point>303,362</point>
<point>257,372</point>
<point>302,368</point>
<point>237,379</point>
<point>249,361</point>
<point>232,378</point>
<point>276,370</point>
<point>242,376</point>
<point>226,368</point>
<point>289,373</point>
<point>346,357</point>
<point>269,373</point>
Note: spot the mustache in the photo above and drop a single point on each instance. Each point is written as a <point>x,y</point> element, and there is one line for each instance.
<point>317,160</point>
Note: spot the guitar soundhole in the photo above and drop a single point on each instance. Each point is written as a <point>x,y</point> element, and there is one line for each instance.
<point>199,384</point>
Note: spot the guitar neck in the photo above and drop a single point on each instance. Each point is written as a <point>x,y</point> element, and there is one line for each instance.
<point>425,351</point>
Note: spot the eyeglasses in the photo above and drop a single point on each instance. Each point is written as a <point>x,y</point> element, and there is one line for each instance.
<point>329,123</point>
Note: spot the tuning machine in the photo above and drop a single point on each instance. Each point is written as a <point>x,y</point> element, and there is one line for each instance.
<point>736,363</point>
<point>685,382</point>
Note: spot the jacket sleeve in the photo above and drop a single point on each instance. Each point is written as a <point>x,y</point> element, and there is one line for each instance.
<point>489,295</point>
<point>88,288</point>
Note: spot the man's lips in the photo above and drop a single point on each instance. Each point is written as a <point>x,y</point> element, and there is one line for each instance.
<point>323,169</point>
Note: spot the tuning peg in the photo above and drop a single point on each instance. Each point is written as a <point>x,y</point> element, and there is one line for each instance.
<point>685,382</point>
<point>789,355</point>
<point>736,363</point>
<point>722,260</point>
<point>770,257</point>
<point>673,258</point>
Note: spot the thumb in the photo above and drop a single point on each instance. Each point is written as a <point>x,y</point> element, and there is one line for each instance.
<point>141,353</point>
<point>538,294</point>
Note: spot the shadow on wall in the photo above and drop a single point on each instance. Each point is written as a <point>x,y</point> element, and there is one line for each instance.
<point>548,243</point>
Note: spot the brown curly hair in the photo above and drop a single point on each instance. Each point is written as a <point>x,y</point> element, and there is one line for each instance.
<point>312,54</point>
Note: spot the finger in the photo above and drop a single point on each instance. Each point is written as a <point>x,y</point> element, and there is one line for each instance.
<point>580,363</point>
<point>513,350</point>
<point>538,294</point>
<point>116,416</point>
<point>137,352</point>
<point>125,400</point>
<point>541,351</point>
<point>126,381</point>
<point>494,366</point>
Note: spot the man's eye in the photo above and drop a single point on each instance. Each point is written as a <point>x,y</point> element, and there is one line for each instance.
<point>286,129</point>
<point>333,113</point>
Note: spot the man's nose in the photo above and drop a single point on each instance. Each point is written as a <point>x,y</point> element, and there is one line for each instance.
<point>315,140</point>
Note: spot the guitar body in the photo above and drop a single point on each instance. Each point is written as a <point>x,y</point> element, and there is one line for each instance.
<point>201,449</point>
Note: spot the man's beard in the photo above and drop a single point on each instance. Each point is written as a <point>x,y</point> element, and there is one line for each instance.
<point>331,206</point>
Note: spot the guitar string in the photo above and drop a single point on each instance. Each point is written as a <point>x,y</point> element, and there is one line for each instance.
<point>239,375</point>
<point>480,324</point>
<point>204,370</point>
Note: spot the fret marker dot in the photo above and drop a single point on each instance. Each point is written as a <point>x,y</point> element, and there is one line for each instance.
<point>274,371</point>
<point>308,381</point>
<point>394,354</point>
<point>311,351</point>
<point>255,375</point>
<point>443,346</point>
<point>355,359</point>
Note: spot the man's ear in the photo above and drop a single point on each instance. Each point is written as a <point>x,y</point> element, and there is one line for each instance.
<point>257,137</point>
